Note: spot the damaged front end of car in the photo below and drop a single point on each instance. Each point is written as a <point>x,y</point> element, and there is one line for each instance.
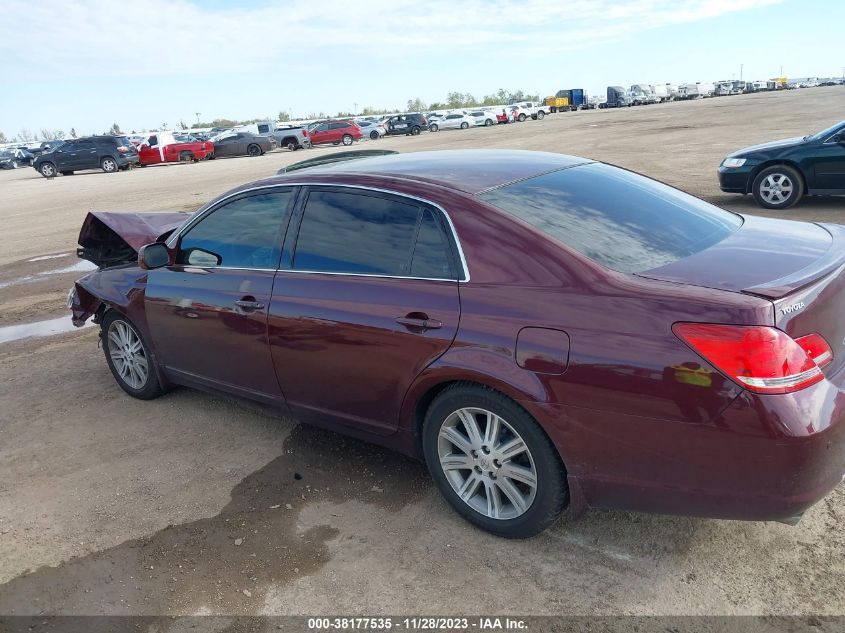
<point>112,241</point>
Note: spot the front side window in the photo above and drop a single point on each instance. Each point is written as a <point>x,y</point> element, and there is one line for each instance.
<point>617,218</point>
<point>361,233</point>
<point>244,233</point>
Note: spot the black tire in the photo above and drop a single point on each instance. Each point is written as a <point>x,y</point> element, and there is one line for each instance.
<point>186,156</point>
<point>254,150</point>
<point>778,177</point>
<point>488,123</point>
<point>67,173</point>
<point>291,146</point>
<point>48,170</point>
<point>433,127</point>
<point>374,135</point>
<point>552,492</point>
<point>464,125</point>
<point>210,156</point>
<point>522,117</point>
<point>151,387</point>
<point>541,115</point>
<point>415,130</point>
<point>347,139</point>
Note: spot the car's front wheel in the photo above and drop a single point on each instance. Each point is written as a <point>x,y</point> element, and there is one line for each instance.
<point>778,187</point>
<point>48,170</point>
<point>492,462</point>
<point>129,357</point>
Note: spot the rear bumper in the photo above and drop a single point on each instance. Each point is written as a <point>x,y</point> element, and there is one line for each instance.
<point>735,179</point>
<point>763,458</point>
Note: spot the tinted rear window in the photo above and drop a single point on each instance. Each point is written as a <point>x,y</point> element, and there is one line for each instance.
<point>619,219</point>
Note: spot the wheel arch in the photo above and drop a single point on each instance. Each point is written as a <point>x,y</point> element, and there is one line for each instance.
<point>749,187</point>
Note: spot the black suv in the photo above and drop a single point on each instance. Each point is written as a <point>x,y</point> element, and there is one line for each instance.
<point>406,124</point>
<point>108,153</point>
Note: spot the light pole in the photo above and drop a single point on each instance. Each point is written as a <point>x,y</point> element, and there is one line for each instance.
<point>198,116</point>
<point>354,108</point>
<point>740,71</point>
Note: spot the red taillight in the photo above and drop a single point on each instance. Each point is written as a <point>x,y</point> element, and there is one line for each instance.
<point>816,348</point>
<point>305,133</point>
<point>122,149</point>
<point>760,358</point>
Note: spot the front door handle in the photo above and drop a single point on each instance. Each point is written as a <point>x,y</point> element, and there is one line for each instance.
<point>248,304</point>
<point>418,321</point>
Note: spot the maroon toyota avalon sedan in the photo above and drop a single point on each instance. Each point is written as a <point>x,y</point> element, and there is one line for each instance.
<point>544,330</point>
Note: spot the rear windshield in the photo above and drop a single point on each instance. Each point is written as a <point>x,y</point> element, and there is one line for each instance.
<point>619,219</point>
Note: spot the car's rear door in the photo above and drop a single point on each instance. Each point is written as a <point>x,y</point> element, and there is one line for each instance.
<point>207,313</point>
<point>87,155</point>
<point>365,299</point>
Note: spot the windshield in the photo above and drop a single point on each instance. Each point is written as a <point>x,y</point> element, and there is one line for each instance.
<point>820,136</point>
<point>617,218</point>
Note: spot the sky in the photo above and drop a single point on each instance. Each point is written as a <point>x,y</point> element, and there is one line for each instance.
<point>85,65</point>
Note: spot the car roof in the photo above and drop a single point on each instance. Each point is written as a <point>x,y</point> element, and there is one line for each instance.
<point>469,171</point>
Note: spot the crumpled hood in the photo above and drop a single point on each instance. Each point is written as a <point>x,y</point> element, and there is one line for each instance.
<point>109,239</point>
<point>786,142</point>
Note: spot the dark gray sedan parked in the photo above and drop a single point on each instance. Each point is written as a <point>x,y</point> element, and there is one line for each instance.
<point>242,144</point>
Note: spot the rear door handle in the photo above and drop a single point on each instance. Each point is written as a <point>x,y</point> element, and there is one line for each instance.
<point>248,304</point>
<point>419,321</point>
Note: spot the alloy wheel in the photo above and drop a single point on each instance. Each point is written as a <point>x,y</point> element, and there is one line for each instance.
<point>776,188</point>
<point>48,170</point>
<point>127,354</point>
<point>109,165</point>
<point>487,463</point>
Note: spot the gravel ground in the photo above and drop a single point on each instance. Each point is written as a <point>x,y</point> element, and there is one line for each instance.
<point>198,503</point>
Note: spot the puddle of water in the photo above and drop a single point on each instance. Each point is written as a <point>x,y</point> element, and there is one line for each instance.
<point>43,257</point>
<point>49,327</point>
<point>82,266</point>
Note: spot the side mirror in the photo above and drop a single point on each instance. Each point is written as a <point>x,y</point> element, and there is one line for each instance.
<point>153,256</point>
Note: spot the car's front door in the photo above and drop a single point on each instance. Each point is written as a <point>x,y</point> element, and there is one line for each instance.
<point>319,133</point>
<point>366,299</point>
<point>829,163</point>
<point>207,313</point>
<point>64,156</point>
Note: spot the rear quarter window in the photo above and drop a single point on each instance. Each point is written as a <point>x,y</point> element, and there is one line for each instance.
<point>624,221</point>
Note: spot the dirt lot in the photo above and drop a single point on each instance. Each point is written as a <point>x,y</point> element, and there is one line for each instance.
<point>198,503</point>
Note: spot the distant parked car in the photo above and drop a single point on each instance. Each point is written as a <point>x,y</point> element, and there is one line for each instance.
<point>334,132</point>
<point>518,113</point>
<point>374,130</point>
<point>778,174</point>
<point>109,153</point>
<point>454,121</point>
<point>7,159</point>
<point>23,156</point>
<point>164,147</point>
<point>242,144</point>
<point>503,115</point>
<point>407,124</point>
<point>484,117</point>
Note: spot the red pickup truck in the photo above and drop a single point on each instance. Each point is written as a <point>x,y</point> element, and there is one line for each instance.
<point>165,147</point>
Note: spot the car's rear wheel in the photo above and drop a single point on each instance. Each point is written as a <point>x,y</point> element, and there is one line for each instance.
<point>492,462</point>
<point>129,357</point>
<point>347,139</point>
<point>415,130</point>
<point>186,157</point>
<point>522,117</point>
<point>374,135</point>
<point>778,187</point>
<point>291,146</point>
<point>108,165</point>
<point>464,125</point>
<point>48,170</point>
<point>253,150</point>
<point>433,127</point>
<point>488,123</point>
<point>541,114</point>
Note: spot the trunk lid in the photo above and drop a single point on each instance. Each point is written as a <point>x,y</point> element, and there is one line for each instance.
<point>798,266</point>
<point>110,239</point>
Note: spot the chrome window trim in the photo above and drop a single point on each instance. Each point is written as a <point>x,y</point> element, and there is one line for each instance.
<point>171,241</point>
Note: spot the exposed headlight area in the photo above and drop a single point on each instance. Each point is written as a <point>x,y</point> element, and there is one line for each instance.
<point>733,162</point>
